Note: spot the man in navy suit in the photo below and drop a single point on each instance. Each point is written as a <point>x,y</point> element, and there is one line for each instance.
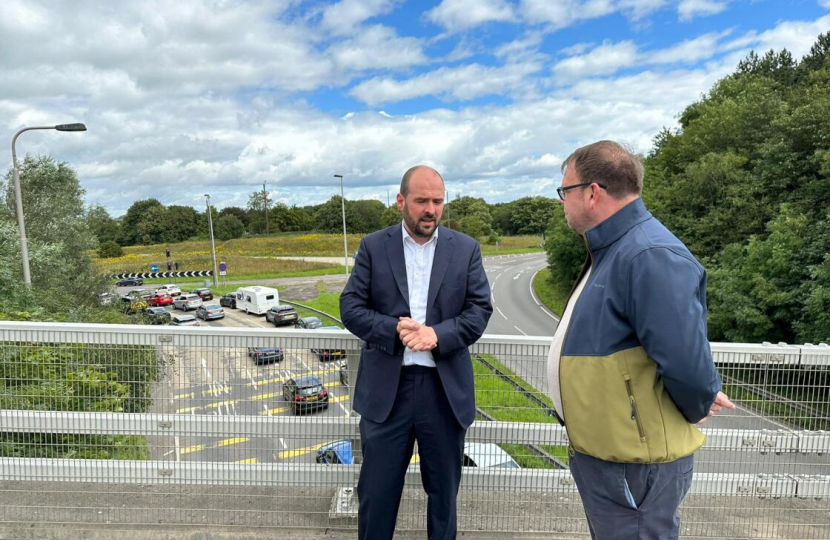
<point>418,297</point>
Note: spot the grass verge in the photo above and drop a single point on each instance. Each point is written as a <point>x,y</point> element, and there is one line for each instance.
<point>499,399</point>
<point>553,298</point>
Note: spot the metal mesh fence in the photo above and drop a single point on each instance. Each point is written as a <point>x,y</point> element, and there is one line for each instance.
<point>230,427</point>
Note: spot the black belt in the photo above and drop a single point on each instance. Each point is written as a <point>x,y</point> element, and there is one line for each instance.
<point>416,369</point>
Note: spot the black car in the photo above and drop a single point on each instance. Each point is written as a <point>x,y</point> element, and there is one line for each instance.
<point>329,354</point>
<point>228,300</point>
<point>156,315</point>
<point>130,282</point>
<point>305,393</point>
<point>203,293</point>
<point>309,323</point>
<point>264,355</point>
<point>280,315</point>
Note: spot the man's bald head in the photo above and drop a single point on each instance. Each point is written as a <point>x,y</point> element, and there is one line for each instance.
<point>420,171</point>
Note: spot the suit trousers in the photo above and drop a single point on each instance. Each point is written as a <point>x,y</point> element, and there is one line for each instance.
<point>631,501</point>
<point>421,412</point>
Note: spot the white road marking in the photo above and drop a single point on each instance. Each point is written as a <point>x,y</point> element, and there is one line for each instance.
<point>178,449</point>
<point>520,330</point>
<point>253,382</point>
<point>545,310</point>
<point>282,442</point>
<point>517,276</point>
<point>500,313</point>
<point>267,411</point>
<point>342,407</point>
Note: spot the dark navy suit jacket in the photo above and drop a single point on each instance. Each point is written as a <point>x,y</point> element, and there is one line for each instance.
<point>458,308</point>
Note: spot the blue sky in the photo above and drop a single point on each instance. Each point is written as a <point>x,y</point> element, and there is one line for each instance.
<point>219,96</point>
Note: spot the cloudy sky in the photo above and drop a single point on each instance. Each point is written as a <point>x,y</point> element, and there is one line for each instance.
<point>218,96</point>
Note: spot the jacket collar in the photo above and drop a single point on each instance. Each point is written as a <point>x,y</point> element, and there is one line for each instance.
<point>613,228</point>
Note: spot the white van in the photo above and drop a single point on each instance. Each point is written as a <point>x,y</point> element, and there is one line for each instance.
<point>256,300</point>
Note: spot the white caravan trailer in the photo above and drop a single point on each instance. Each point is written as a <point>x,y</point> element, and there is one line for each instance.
<point>256,300</point>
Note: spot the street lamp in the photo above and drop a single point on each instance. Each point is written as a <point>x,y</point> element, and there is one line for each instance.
<point>18,195</point>
<point>212,244</point>
<point>343,211</point>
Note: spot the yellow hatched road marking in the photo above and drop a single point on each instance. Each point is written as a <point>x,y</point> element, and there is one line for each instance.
<point>415,459</point>
<point>189,449</point>
<point>274,411</point>
<point>302,451</point>
<point>283,379</point>
<point>249,461</point>
<point>187,410</point>
<point>189,395</point>
<point>228,442</point>
<point>260,397</point>
<point>220,403</point>
<point>336,399</point>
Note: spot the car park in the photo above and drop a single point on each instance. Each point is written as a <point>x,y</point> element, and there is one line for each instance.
<point>106,298</point>
<point>204,293</point>
<point>160,299</point>
<point>266,355</point>
<point>256,300</point>
<point>209,312</point>
<point>228,300</point>
<point>134,304</point>
<point>183,320</point>
<point>130,282</point>
<point>186,302</point>
<point>309,323</point>
<point>156,315</point>
<point>282,314</point>
<point>305,394</point>
<point>172,290</point>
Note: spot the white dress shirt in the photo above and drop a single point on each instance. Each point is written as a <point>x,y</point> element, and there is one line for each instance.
<point>418,270</point>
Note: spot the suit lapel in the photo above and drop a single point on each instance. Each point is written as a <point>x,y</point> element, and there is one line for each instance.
<point>394,250</point>
<point>443,254</point>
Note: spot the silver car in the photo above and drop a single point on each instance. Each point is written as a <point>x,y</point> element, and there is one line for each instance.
<point>210,311</point>
<point>186,302</point>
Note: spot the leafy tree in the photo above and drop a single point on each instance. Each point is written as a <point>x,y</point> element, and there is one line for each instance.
<point>104,227</point>
<point>240,213</point>
<point>228,227</point>
<point>565,250</point>
<point>110,249</point>
<point>366,216</point>
<point>391,215</point>
<point>154,226</point>
<point>473,215</point>
<point>531,215</point>
<point>181,223</point>
<point>129,234</point>
<point>501,213</point>
<point>329,217</point>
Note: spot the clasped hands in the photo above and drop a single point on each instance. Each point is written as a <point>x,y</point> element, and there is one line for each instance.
<point>416,336</point>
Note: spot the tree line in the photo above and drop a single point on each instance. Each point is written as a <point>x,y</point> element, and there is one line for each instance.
<point>745,183</point>
<point>149,222</point>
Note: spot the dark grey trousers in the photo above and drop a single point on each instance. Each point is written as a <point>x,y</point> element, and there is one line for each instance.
<point>631,501</point>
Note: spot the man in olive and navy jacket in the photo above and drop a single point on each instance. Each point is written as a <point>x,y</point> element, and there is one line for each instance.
<point>630,369</point>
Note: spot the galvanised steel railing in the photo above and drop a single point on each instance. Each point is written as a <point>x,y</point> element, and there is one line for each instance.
<point>139,426</point>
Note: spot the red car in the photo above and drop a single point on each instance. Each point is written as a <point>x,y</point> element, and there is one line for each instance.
<point>160,300</point>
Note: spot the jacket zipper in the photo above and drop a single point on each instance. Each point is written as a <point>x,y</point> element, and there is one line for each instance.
<point>634,414</point>
<point>589,262</point>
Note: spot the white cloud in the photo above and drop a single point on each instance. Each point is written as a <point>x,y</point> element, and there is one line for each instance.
<point>690,50</point>
<point>689,9</point>
<point>795,36</point>
<point>824,3</point>
<point>378,47</point>
<point>462,83</point>
<point>564,13</point>
<point>346,16</point>
<point>603,60</point>
<point>455,15</point>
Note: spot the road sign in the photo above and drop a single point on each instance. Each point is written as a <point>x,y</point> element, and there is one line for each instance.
<point>154,268</point>
<point>223,269</point>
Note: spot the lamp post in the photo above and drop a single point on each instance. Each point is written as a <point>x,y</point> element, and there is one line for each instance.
<point>343,212</point>
<point>18,195</point>
<point>212,244</point>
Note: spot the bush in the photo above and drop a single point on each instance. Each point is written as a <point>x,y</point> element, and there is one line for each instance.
<point>110,249</point>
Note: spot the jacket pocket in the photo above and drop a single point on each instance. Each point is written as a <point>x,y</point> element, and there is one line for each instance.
<point>635,413</point>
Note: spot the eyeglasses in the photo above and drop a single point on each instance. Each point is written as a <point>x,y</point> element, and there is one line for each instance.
<point>561,191</point>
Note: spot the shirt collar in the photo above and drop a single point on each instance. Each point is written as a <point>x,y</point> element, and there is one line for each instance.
<point>406,235</point>
<point>613,228</point>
